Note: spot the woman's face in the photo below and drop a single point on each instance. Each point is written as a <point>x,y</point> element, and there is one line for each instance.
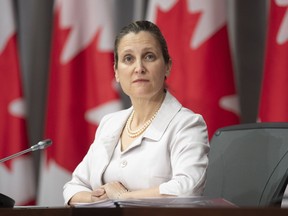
<point>141,68</point>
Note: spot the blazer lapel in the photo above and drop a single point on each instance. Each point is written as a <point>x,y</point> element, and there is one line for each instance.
<point>111,138</point>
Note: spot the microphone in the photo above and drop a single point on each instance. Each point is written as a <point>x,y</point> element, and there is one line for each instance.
<point>8,202</point>
<point>39,146</point>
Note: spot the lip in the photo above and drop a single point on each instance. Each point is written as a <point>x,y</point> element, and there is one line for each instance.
<point>140,80</point>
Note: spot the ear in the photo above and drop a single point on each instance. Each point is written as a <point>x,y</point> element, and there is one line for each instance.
<point>168,68</point>
<point>116,73</point>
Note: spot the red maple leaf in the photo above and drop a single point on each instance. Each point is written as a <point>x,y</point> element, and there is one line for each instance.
<point>199,77</point>
<point>75,87</point>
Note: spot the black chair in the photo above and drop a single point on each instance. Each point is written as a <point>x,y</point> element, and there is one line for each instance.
<point>248,164</point>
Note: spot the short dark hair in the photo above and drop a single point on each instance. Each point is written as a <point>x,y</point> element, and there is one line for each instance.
<point>136,27</point>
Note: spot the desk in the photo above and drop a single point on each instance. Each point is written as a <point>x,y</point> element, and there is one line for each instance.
<point>144,211</point>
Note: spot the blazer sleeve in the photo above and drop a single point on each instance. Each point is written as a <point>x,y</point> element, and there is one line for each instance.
<point>189,149</point>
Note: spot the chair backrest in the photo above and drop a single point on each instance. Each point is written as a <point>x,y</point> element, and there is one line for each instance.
<point>248,164</point>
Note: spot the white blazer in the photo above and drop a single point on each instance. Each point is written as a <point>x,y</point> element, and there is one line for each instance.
<point>172,153</point>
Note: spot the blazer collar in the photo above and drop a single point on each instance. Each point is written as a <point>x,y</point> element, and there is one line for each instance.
<point>169,108</point>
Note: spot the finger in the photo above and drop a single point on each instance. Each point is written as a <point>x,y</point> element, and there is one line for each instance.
<point>98,192</point>
<point>114,190</point>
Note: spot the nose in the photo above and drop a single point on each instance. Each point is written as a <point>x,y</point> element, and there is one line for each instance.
<point>139,67</point>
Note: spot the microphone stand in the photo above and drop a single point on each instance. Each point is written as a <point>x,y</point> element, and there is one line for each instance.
<point>14,155</point>
<point>40,145</point>
<point>8,202</point>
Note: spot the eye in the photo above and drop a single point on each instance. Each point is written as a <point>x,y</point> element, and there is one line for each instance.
<point>150,57</point>
<point>128,59</point>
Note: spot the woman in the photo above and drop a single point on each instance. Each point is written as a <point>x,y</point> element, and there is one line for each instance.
<point>156,148</point>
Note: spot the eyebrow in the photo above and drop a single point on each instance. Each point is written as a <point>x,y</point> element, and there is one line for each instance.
<point>145,50</point>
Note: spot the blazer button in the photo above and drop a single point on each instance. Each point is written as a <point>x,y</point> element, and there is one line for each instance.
<point>123,163</point>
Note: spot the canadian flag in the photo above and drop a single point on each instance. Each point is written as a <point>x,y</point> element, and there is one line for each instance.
<point>17,175</point>
<point>202,76</point>
<point>274,97</point>
<point>81,88</point>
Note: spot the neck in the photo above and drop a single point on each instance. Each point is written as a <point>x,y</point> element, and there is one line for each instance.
<point>145,109</point>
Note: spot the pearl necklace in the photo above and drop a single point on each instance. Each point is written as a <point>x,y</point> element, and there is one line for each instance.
<point>136,133</point>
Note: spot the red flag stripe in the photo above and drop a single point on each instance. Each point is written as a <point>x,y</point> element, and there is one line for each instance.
<point>274,100</point>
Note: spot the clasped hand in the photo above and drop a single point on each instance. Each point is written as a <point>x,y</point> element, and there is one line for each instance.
<point>112,190</point>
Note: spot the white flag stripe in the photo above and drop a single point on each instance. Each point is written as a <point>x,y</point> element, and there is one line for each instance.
<point>83,31</point>
<point>20,188</point>
<point>213,17</point>
<point>282,36</point>
<point>154,5</point>
<point>7,22</point>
